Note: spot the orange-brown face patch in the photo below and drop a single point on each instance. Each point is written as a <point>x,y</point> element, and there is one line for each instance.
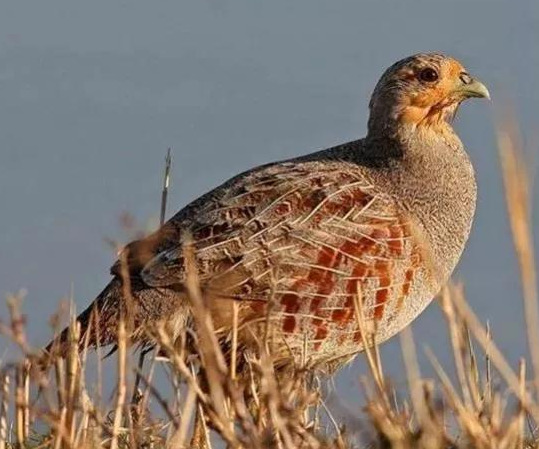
<point>430,105</point>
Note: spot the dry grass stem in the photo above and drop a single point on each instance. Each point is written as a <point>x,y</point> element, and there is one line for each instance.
<point>517,192</point>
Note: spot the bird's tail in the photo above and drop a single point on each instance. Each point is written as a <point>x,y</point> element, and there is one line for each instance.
<point>98,324</point>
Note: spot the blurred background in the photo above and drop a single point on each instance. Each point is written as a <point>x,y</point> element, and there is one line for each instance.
<point>93,93</point>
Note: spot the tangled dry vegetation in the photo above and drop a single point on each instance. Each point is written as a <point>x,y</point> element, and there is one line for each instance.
<point>205,405</point>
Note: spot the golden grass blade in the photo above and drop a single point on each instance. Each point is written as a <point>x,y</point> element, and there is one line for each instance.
<point>521,412</point>
<point>369,337</point>
<point>517,192</point>
<point>413,375</point>
<point>121,385</point>
<point>496,356</point>
<point>4,408</point>
<point>457,343</point>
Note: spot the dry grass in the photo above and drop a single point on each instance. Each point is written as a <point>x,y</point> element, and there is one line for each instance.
<point>60,409</point>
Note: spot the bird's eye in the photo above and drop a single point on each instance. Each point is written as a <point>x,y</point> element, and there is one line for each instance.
<point>428,75</point>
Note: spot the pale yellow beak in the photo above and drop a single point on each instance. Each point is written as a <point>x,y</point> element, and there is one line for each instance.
<point>472,88</point>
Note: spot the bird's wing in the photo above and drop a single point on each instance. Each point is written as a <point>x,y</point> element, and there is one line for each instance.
<point>212,219</point>
<point>294,224</point>
<point>230,224</point>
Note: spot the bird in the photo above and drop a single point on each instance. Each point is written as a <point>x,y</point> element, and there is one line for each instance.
<point>300,246</point>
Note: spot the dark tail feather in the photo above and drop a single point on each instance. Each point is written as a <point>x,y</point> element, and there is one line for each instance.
<point>98,323</point>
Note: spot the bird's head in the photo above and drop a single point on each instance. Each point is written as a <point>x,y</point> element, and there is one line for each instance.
<point>422,91</point>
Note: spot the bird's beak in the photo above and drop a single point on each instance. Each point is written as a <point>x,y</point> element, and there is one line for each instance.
<point>472,88</point>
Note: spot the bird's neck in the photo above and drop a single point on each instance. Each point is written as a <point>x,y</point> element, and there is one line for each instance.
<point>404,119</point>
<point>396,134</point>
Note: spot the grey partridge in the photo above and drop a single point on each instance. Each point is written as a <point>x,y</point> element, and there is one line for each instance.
<point>296,243</point>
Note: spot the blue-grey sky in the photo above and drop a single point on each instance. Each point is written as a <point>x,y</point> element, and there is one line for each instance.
<point>92,94</point>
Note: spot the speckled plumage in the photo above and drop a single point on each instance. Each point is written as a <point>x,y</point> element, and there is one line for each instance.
<point>385,217</point>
